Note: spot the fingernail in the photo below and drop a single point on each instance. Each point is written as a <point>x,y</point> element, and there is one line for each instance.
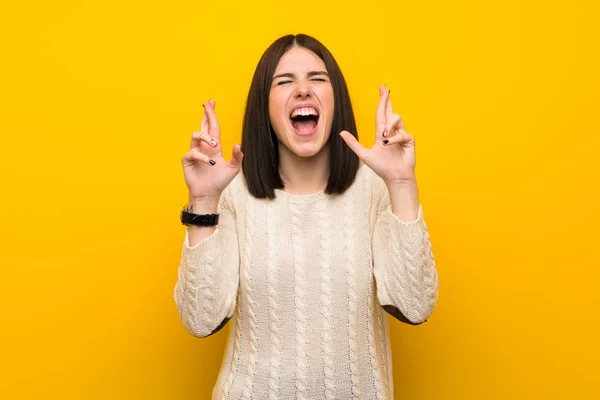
<point>386,141</point>
<point>212,141</point>
<point>203,105</point>
<point>385,133</point>
<point>212,162</point>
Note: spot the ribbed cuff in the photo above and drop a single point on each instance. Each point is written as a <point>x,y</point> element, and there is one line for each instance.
<point>407,227</point>
<point>186,241</point>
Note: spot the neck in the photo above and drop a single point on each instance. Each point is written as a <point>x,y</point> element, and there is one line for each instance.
<point>304,175</point>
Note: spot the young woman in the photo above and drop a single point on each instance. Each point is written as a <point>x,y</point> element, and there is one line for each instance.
<point>312,242</point>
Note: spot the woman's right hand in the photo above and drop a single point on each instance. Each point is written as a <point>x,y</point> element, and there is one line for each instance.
<point>205,170</point>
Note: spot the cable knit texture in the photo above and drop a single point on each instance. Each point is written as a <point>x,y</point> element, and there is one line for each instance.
<point>305,279</point>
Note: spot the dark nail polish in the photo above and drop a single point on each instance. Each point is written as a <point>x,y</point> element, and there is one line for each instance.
<point>212,162</point>
<point>203,106</point>
<point>386,141</point>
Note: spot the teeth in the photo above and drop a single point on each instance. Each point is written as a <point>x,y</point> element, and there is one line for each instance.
<point>304,111</point>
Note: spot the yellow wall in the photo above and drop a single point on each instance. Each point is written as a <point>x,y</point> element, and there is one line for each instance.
<point>99,98</point>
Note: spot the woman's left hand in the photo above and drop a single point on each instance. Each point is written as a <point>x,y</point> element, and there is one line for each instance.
<point>393,155</point>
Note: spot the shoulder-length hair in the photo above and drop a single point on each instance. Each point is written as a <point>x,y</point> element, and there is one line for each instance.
<point>259,142</point>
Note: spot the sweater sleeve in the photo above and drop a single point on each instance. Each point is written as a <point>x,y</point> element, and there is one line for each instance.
<point>208,276</point>
<point>403,265</point>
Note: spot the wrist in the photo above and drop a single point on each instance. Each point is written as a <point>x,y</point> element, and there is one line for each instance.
<point>203,205</point>
<point>401,184</point>
<point>404,198</point>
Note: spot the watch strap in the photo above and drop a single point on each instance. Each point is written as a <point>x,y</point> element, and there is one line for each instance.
<point>189,218</point>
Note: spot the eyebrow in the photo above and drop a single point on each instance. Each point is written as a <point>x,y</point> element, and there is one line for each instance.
<point>310,74</point>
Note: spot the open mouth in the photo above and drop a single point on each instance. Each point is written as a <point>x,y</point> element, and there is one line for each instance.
<point>304,120</point>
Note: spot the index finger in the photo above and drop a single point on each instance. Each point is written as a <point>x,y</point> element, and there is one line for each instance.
<point>204,122</point>
<point>196,142</point>
<point>213,122</point>
<point>380,117</point>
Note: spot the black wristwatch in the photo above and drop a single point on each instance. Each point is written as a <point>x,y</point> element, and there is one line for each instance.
<point>188,218</point>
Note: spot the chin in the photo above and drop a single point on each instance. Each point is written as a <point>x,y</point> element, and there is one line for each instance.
<point>305,152</point>
<point>308,149</point>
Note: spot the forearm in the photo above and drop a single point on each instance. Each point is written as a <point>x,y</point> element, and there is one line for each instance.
<point>206,289</point>
<point>201,206</point>
<point>404,267</point>
<point>404,199</point>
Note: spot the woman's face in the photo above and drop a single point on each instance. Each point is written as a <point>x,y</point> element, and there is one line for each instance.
<point>301,102</point>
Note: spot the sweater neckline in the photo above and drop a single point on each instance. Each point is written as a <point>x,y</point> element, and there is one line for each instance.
<point>307,198</point>
<point>300,198</point>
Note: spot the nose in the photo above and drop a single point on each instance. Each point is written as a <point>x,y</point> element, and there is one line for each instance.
<point>302,90</point>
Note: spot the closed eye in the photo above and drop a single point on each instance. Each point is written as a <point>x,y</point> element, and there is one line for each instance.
<point>283,82</point>
<point>319,79</point>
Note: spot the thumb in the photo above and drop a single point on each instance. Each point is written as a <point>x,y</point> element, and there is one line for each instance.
<point>238,156</point>
<point>354,145</point>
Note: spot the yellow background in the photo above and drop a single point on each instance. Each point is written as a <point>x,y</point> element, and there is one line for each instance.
<point>98,101</point>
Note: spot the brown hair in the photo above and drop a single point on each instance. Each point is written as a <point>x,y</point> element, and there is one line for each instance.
<point>259,142</point>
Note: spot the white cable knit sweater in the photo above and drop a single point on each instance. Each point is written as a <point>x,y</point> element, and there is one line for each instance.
<point>306,279</point>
